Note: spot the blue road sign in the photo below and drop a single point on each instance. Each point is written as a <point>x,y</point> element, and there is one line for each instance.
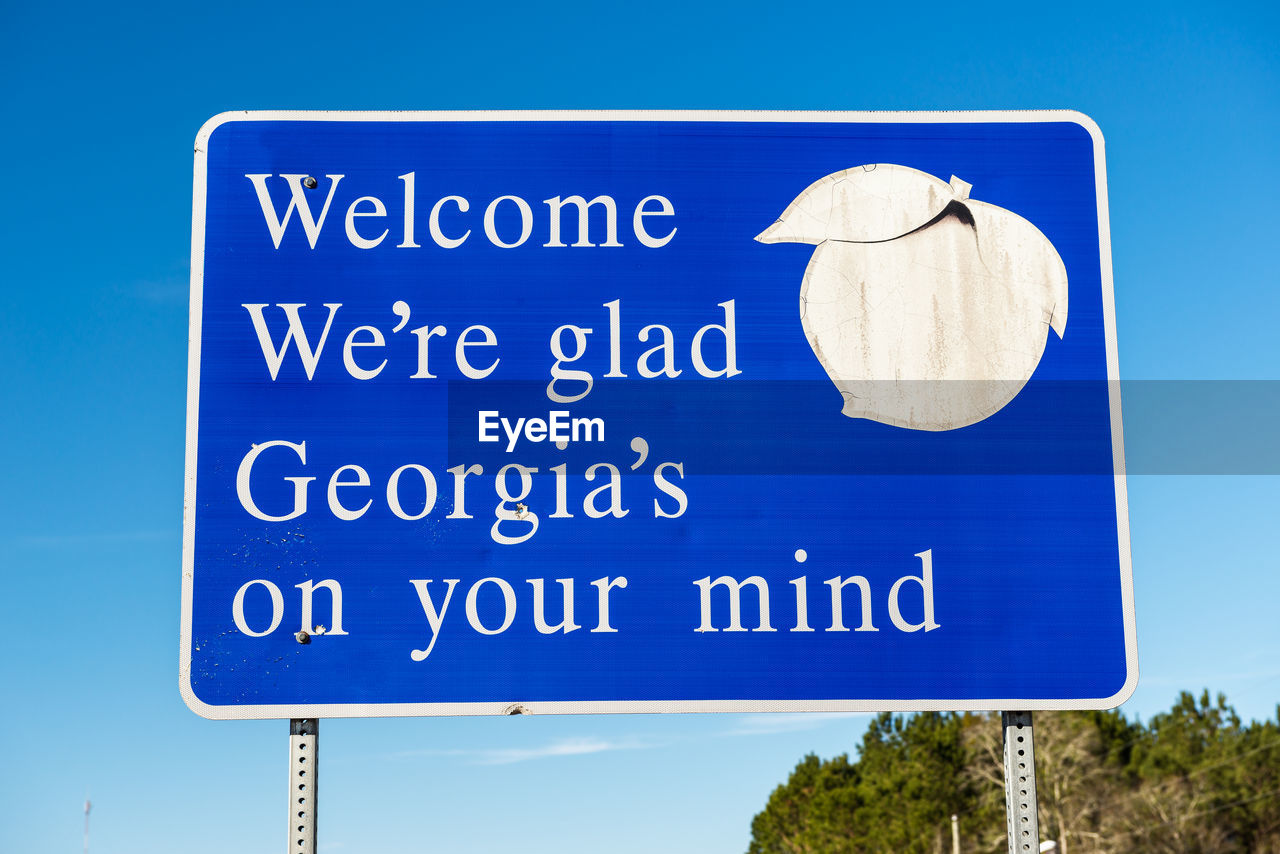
<point>617,412</point>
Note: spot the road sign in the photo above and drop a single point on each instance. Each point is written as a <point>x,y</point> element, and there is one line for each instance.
<point>618,412</point>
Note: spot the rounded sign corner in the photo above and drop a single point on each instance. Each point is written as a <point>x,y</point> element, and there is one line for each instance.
<point>215,122</point>
<point>195,704</point>
<point>1090,126</point>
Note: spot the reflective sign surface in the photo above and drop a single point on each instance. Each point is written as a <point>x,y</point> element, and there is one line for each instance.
<point>652,412</point>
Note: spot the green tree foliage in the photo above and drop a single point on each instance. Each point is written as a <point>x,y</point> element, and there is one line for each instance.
<point>1193,780</point>
<point>911,775</point>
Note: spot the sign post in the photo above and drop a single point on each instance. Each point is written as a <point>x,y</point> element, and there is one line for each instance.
<point>583,412</point>
<point>1020,783</point>
<point>304,784</point>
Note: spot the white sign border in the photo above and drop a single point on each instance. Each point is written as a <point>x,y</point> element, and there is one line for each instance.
<point>365,710</point>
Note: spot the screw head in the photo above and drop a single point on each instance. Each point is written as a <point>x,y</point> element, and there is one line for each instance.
<point>309,182</point>
<point>303,637</point>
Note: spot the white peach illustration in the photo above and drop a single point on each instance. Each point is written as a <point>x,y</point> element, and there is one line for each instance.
<point>927,309</point>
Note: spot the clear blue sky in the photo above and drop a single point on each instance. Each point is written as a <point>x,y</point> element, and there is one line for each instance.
<point>101,107</point>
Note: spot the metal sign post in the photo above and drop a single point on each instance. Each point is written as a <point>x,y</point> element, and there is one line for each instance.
<point>1020,783</point>
<point>304,766</point>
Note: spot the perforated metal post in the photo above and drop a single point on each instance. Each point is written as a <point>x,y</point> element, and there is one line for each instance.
<point>304,757</point>
<point>1020,783</point>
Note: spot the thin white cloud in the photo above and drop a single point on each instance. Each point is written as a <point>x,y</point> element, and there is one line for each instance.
<point>552,750</point>
<point>563,747</point>
<point>780,722</point>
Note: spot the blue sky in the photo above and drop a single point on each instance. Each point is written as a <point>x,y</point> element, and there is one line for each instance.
<point>102,105</point>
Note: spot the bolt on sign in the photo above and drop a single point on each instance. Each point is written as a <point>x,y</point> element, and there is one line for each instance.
<point>652,411</point>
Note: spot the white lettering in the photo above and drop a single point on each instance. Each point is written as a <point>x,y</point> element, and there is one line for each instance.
<point>244,472</point>
<point>730,339</point>
<point>503,513</point>
<point>393,492</point>
<point>297,199</point>
<point>434,617</point>
<point>277,608</point>
<point>589,427</point>
<point>613,487</point>
<point>669,488</point>
<point>562,492</point>
<point>373,207</point>
<point>526,221</point>
<point>508,601</point>
<point>296,334</point>
<point>488,339</point>
<point>603,586</point>
<point>802,604</point>
<point>379,210</point>
<point>439,236</point>
<point>558,424</point>
<point>308,589</point>
<point>637,221</point>
<point>408,243</point>
<point>560,374</point>
<point>486,423</point>
<point>513,432</point>
<point>460,489</point>
<point>615,338</point>
<point>336,506</point>
<point>535,430</point>
<point>837,586</point>
<point>735,602</point>
<point>611,220</point>
<point>566,624</point>
<point>925,580</point>
<point>424,334</point>
<point>667,348</point>
<point>348,352</point>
